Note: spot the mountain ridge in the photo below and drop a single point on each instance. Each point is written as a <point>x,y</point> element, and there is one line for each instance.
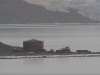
<point>21,12</point>
<point>89,8</point>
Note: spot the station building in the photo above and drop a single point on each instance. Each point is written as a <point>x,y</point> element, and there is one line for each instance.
<point>83,51</point>
<point>64,50</point>
<point>33,46</point>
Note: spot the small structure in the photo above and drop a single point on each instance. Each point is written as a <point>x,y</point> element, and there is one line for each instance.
<point>17,49</point>
<point>33,46</point>
<point>63,50</point>
<point>40,50</point>
<point>52,50</point>
<point>83,51</point>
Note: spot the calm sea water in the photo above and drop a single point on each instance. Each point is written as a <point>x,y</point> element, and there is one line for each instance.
<point>54,37</point>
<point>51,66</point>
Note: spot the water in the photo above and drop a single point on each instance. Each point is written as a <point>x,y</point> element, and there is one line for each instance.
<point>77,36</point>
<point>55,37</point>
<point>51,66</point>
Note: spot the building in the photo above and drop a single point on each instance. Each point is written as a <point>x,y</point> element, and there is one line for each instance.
<point>63,50</point>
<point>33,46</point>
<point>83,51</point>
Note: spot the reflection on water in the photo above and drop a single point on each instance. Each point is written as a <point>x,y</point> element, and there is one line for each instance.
<point>51,66</point>
<point>35,61</point>
<point>50,74</point>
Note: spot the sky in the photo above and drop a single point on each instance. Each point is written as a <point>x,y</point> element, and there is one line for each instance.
<point>88,8</point>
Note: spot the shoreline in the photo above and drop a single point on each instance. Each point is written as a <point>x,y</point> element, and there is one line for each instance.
<point>50,56</point>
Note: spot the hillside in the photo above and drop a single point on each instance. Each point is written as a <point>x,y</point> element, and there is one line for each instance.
<point>8,50</point>
<point>21,12</point>
<point>5,49</point>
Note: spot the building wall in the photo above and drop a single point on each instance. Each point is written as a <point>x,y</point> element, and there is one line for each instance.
<point>83,51</point>
<point>64,50</point>
<point>32,46</point>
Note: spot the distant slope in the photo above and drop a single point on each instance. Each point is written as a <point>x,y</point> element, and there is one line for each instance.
<point>8,50</point>
<point>5,49</point>
<point>19,11</point>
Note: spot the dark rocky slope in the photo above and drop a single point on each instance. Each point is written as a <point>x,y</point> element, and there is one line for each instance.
<point>8,50</point>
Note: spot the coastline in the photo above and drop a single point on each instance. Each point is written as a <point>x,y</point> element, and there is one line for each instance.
<point>49,56</point>
<point>35,49</point>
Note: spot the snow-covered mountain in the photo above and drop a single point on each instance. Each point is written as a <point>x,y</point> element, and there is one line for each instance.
<point>90,8</point>
<point>21,12</point>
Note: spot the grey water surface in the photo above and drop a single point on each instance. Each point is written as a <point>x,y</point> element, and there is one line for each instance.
<point>51,66</point>
<point>54,37</point>
<point>76,36</point>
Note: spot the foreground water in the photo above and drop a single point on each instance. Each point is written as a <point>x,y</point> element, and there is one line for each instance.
<point>51,66</point>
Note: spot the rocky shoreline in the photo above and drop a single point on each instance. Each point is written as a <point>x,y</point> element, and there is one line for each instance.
<point>49,56</point>
<point>10,52</point>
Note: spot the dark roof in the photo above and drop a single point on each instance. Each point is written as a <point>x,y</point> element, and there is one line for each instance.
<point>33,40</point>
